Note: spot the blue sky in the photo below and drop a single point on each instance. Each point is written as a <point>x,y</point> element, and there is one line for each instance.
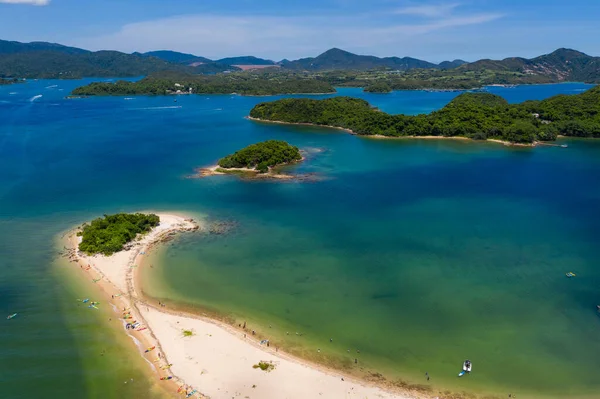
<point>276,29</point>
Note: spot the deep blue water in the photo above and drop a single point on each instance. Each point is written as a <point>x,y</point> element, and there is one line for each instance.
<point>419,252</point>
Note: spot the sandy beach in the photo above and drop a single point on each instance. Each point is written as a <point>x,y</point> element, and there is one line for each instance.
<point>216,170</point>
<point>380,136</point>
<point>217,360</point>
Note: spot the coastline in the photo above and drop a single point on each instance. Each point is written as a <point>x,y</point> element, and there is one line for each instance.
<point>380,136</point>
<point>74,96</point>
<point>217,360</point>
<point>216,170</point>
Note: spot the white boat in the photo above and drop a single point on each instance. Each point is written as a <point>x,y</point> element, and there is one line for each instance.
<point>466,368</point>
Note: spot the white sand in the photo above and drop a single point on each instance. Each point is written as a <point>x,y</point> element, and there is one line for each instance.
<point>217,360</point>
<point>220,362</point>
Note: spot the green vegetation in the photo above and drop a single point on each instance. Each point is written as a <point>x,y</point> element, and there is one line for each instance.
<point>188,333</point>
<point>478,116</point>
<point>8,81</point>
<point>57,65</point>
<point>264,366</point>
<point>246,83</point>
<point>262,156</point>
<point>109,234</point>
<point>378,87</point>
<point>433,79</point>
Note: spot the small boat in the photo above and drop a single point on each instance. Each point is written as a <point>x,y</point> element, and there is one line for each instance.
<point>12,316</point>
<point>570,274</point>
<point>150,348</point>
<point>190,394</point>
<point>466,368</point>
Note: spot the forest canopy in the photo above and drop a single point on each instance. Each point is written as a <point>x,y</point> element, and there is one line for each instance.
<point>110,233</point>
<point>262,156</point>
<point>478,116</point>
<point>241,83</point>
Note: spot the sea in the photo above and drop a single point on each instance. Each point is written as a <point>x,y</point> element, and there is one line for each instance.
<point>398,258</point>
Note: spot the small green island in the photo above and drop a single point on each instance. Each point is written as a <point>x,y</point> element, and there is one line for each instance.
<point>477,116</point>
<point>257,160</point>
<point>246,83</point>
<point>111,233</point>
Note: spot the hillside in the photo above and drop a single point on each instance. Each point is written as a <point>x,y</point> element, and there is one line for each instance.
<point>560,65</point>
<point>176,57</point>
<point>47,60</point>
<point>245,60</point>
<point>11,47</point>
<point>201,65</point>
<point>451,64</point>
<point>339,59</point>
<point>478,116</point>
<point>178,83</point>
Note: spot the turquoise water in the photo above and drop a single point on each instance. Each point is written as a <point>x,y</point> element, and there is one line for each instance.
<point>417,253</point>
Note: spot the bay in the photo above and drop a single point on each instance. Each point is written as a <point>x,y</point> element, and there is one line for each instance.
<point>417,253</point>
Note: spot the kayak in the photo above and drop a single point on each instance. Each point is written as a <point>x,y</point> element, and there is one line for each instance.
<point>462,373</point>
<point>190,394</point>
<point>150,348</point>
<point>11,316</point>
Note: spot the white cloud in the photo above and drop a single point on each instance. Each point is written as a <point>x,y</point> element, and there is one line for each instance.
<point>429,10</point>
<point>217,36</point>
<point>30,2</point>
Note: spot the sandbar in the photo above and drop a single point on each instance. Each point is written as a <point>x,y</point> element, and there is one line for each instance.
<point>217,360</point>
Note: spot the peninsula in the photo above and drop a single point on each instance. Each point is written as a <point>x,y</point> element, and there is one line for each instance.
<point>257,160</point>
<point>191,354</point>
<point>477,116</point>
<point>247,83</point>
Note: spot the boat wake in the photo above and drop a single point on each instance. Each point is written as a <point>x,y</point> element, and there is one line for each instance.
<point>32,99</point>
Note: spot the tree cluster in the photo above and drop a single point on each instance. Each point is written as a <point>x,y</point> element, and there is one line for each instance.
<point>262,156</point>
<point>240,83</point>
<point>478,116</point>
<point>109,234</point>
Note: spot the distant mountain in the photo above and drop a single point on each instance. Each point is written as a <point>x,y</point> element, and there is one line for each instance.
<point>245,60</point>
<point>201,65</point>
<point>51,60</point>
<point>560,65</point>
<point>336,58</point>
<point>177,58</point>
<point>451,64</point>
<point>7,47</point>
<point>48,60</point>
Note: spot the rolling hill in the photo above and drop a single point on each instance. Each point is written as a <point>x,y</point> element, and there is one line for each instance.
<point>245,60</point>
<point>336,58</point>
<point>177,58</point>
<point>561,65</point>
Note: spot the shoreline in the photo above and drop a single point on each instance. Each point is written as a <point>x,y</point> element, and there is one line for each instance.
<point>75,96</point>
<point>248,173</point>
<point>226,353</point>
<point>380,136</point>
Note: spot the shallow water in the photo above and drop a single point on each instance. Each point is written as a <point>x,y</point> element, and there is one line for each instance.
<point>418,253</point>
